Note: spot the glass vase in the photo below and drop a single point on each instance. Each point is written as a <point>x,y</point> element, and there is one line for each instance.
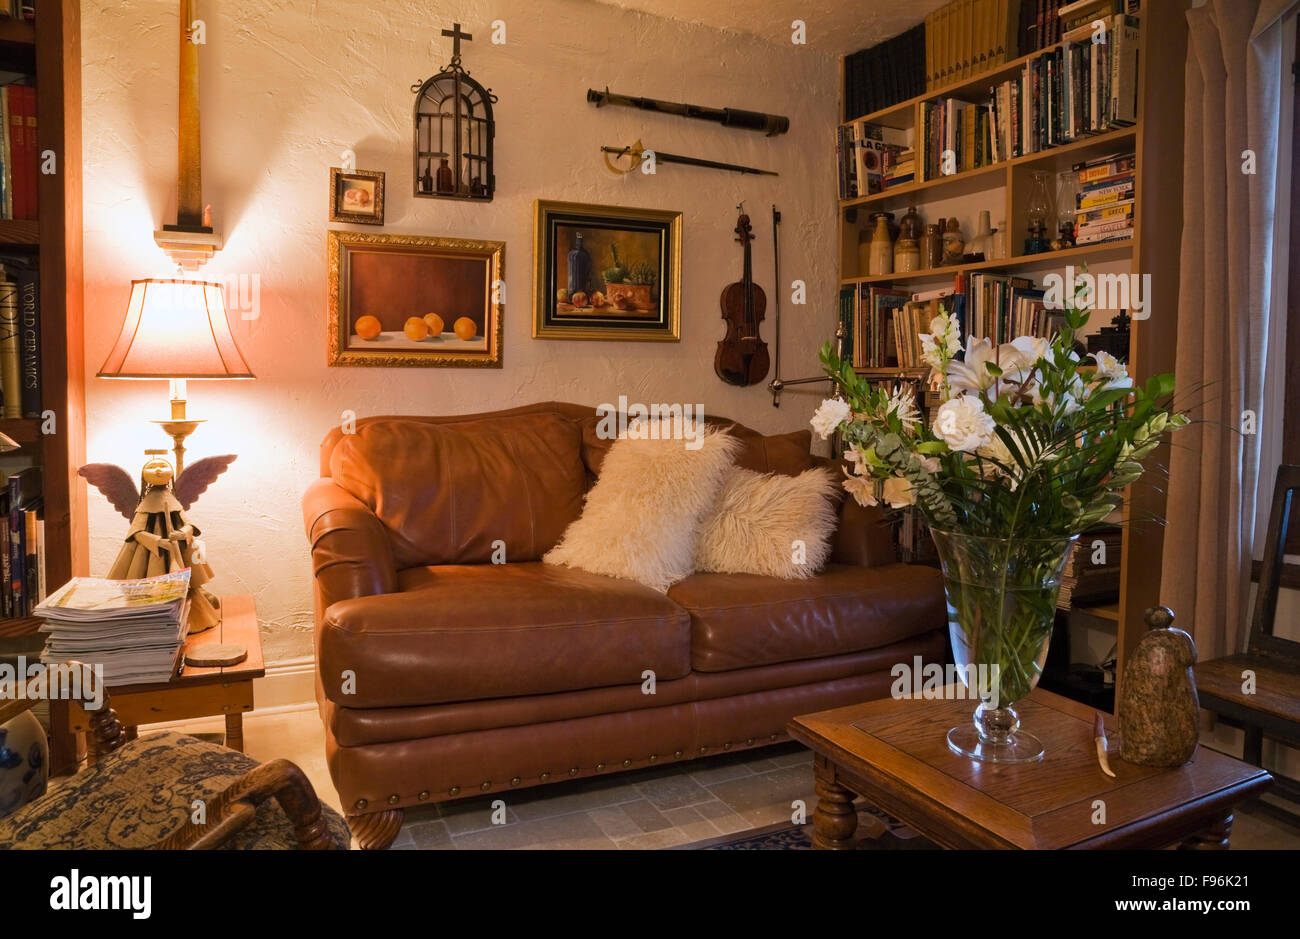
<point>1001,606</point>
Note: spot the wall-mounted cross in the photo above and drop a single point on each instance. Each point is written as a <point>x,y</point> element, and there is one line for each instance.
<point>456,35</point>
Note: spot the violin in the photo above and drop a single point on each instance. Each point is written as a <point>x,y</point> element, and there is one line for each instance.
<point>742,357</point>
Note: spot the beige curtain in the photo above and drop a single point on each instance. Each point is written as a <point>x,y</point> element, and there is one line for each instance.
<point>1227,314</point>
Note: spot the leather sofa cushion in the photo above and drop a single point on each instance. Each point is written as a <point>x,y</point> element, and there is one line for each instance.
<point>446,493</point>
<point>789,454</point>
<point>469,632</point>
<point>745,620</point>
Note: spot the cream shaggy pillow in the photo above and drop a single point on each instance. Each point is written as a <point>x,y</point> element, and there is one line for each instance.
<point>758,519</point>
<point>641,520</point>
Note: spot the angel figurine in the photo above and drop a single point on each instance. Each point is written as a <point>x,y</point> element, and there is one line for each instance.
<point>161,539</point>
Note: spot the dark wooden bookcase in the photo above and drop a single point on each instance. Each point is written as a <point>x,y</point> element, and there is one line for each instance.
<point>50,50</point>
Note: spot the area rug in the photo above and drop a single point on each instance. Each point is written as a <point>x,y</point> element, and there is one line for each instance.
<point>876,832</point>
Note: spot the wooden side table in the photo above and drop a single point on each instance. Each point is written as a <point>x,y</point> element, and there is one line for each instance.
<point>193,693</point>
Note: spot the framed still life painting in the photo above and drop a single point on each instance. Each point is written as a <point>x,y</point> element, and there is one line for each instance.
<point>410,300</point>
<point>605,272</point>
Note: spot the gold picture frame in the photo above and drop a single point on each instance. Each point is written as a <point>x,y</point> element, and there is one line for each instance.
<point>631,272</point>
<point>356,196</point>
<point>379,284</point>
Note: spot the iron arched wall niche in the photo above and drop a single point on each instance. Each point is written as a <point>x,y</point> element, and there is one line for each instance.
<point>454,132</point>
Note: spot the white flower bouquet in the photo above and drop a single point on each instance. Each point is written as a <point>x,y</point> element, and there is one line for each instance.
<point>1027,448</point>
<point>1027,442</point>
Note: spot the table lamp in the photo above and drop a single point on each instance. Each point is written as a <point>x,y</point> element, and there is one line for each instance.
<point>177,330</point>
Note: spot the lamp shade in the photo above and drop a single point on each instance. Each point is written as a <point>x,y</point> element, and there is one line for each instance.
<point>175,329</point>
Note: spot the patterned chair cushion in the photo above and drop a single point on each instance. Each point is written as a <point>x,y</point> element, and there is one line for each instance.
<point>138,795</point>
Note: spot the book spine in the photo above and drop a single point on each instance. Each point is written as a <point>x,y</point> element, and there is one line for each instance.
<point>16,524</point>
<point>42,585</point>
<point>11,380</point>
<point>1106,196</point>
<point>1112,211</point>
<point>33,152</point>
<point>1092,172</point>
<point>6,591</point>
<point>1101,226</point>
<point>31,584</point>
<point>18,136</point>
<point>1098,237</point>
<point>29,311</point>
<point>6,179</point>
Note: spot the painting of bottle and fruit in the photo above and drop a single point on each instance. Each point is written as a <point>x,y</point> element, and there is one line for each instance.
<point>607,272</point>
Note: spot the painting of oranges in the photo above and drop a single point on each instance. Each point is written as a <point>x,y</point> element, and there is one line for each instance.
<point>412,300</point>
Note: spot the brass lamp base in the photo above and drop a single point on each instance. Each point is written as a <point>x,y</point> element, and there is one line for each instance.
<point>178,431</point>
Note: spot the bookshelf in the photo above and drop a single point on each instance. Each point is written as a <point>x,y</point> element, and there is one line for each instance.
<point>50,51</point>
<point>1156,139</point>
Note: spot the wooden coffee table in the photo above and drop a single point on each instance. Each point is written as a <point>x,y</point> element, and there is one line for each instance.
<point>894,753</point>
<point>194,693</point>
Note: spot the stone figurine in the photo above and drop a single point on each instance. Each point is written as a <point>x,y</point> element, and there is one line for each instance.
<point>1157,705</point>
<point>161,538</point>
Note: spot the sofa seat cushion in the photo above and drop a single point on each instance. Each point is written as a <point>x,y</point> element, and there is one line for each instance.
<point>745,620</point>
<point>469,632</point>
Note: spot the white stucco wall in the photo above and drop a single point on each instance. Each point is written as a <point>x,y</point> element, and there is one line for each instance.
<point>286,86</point>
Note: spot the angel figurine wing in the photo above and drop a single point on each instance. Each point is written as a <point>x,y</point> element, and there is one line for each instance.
<point>197,477</point>
<point>115,483</point>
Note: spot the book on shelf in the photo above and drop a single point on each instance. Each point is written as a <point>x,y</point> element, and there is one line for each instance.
<point>1091,573</point>
<point>24,489</point>
<point>20,279</point>
<point>885,74</point>
<point>1105,204</point>
<point>867,155</point>
<point>133,628</point>
<point>11,369</point>
<point>19,154</point>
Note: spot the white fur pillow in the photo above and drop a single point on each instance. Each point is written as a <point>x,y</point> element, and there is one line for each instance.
<point>759,517</point>
<point>641,520</point>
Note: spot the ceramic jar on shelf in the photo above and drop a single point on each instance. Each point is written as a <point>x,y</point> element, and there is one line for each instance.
<point>882,246</point>
<point>907,249</point>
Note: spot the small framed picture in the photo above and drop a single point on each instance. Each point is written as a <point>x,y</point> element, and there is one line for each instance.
<point>356,197</point>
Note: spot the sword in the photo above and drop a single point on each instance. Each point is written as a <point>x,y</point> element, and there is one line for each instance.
<point>637,151</point>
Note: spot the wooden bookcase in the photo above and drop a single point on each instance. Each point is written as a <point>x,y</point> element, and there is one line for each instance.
<point>1157,140</point>
<point>50,50</point>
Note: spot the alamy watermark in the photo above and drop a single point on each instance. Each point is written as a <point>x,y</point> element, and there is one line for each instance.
<point>59,681</point>
<point>956,682</point>
<point>1131,292</point>
<point>636,421</point>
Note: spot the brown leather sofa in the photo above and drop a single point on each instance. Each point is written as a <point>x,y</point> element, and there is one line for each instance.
<point>442,674</point>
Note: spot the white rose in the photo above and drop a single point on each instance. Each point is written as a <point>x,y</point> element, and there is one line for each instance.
<point>830,415</point>
<point>898,492</point>
<point>862,490</point>
<point>963,424</point>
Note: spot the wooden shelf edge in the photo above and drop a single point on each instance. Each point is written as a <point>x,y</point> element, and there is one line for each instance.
<point>23,430</point>
<point>19,232</point>
<point>18,31</point>
<point>1111,250</point>
<point>1041,156</point>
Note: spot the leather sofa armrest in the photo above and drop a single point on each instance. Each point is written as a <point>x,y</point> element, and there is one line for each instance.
<point>351,553</point>
<point>863,536</point>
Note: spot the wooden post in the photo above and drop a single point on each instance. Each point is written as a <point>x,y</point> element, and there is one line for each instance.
<point>189,189</point>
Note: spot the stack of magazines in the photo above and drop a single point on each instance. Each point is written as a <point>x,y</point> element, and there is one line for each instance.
<point>133,628</point>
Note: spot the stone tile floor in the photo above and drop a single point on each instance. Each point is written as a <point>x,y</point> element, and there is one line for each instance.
<point>658,807</point>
